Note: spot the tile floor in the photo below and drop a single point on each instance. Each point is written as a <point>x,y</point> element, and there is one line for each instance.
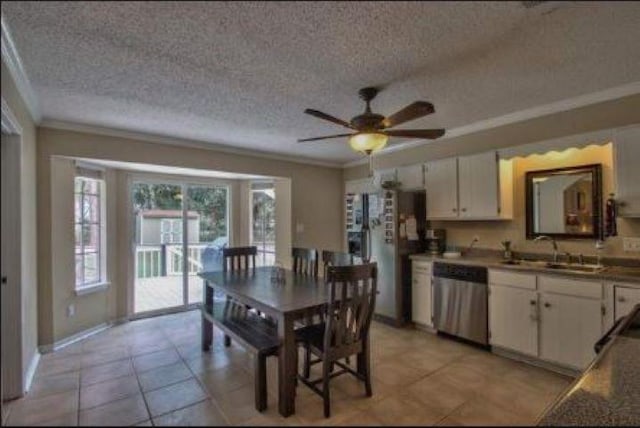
<point>152,372</point>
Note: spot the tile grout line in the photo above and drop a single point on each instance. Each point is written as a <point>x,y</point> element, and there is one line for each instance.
<point>209,394</point>
<point>144,397</point>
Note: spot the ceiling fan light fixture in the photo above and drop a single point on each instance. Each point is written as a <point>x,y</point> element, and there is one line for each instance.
<point>368,142</point>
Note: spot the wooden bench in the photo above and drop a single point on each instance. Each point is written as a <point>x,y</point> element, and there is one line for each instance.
<point>256,334</point>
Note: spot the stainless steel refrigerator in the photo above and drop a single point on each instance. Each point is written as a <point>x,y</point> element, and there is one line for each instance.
<point>386,227</point>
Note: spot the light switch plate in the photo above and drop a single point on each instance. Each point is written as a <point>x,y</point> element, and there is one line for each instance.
<point>631,245</point>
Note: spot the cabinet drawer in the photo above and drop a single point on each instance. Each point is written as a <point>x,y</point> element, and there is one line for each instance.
<point>421,268</point>
<point>512,279</point>
<point>570,287</point>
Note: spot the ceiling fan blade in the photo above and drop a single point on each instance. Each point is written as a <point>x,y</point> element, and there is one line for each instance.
<point>410,112</point>
<point>328,117</point>
<point>304,140</point>
<point>430,134</point>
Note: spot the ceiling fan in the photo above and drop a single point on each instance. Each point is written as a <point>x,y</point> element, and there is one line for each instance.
<point>372,130</point>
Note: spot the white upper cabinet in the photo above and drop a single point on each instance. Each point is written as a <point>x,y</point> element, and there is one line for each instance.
<point>364,185</point>
<point>383,175</point>
<point>478,183</point>
<point>411,177</point>
<point>441,182</point>
<point>476,187</point>
<point>627,158</point>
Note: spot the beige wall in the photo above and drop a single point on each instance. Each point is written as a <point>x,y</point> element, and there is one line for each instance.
<point>461,233</point>
<point>90,307</point>
<point>28,233</point>
<point>316,203</point>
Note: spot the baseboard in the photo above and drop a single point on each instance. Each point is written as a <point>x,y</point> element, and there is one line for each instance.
<point>425,328</point>
<point>74,338</point>
<point>566,371</point>
<point>31,371</point>
<point>387,320</point>
<point>119,321</point>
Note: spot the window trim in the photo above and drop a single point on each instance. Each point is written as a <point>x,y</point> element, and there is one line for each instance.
<point>101,250</point>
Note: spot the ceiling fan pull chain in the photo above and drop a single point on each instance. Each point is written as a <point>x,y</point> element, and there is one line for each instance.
<point>370,165</point>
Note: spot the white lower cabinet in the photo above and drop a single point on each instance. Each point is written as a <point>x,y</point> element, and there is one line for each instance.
<point>421,301</point>
<point>513,319</point>
<point>552,318</point>
<point>625,298</point>
<point>569,327</point>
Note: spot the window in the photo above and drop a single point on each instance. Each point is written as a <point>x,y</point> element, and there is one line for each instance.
<point>89,239</point>
<point>171,231</point>
<point>263,218</point>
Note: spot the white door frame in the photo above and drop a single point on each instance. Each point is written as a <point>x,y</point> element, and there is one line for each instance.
<point>13,378</point>
<point>184,182</point>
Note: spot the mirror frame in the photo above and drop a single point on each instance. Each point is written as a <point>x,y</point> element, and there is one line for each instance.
<point>596,172</point>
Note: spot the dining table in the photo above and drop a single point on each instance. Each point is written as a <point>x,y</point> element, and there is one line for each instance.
<point>285,301</point>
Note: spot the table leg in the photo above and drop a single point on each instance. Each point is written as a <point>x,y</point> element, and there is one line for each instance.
<point>364,365</point>
<point>207,326</point>
<point>287,366</point>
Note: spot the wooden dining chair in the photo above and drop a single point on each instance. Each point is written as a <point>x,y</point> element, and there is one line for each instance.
<point>305,261</point>
<point>345,332</point>
<point>335,258</point>
<point>239,258</point>
<point>236,259</point>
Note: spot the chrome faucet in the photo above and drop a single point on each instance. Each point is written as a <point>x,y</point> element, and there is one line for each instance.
<point>553,242</point>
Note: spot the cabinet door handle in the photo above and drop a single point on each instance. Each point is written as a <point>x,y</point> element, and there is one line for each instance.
<point>532,302</point>
<point>454,210</point>
<point>464,210</point>
<point>621,299</point>
<point>547,304</point>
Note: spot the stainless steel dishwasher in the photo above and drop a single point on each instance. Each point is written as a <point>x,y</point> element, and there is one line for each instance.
<point>460,301</point>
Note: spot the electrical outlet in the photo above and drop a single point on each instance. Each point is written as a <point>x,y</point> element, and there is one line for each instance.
<point>631,245</point>
<point>71,311</point>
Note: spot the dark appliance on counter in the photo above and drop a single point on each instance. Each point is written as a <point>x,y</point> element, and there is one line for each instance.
<point>460,301</point>
<point>386,227</point>
<point>436,241</point>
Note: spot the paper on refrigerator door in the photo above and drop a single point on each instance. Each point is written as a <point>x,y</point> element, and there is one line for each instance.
<point>412,228</point>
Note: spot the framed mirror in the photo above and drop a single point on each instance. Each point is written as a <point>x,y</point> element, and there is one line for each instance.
<point>564,202</point>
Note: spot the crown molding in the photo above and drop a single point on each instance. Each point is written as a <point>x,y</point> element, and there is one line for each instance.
<point>177,141</point>
<point>10,124</point>
<point>519,116</point>
<point>12,60</point>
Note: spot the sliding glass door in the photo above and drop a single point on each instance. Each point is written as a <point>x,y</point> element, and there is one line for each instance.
<point>207,234</point>
<point>173,220</point>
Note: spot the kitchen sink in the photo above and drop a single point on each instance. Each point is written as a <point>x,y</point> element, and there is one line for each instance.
<point>576,267</point>
<point>582,268</point>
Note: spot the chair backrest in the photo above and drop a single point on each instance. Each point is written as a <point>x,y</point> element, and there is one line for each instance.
<point>305,261</point>
<point>233,257</point>
<point>352,299</point>
<point>335,258</point>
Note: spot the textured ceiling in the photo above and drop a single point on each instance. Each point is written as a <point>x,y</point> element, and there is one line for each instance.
<point>241,73</point>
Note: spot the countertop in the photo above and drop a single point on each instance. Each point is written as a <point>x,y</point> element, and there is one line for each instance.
<point>607,393</point>
<point>610,273</point>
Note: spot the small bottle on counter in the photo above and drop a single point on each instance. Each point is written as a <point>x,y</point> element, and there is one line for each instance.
<point>507,254</point>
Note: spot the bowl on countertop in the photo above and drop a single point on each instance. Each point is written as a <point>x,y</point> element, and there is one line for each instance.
<point>452,254</point>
